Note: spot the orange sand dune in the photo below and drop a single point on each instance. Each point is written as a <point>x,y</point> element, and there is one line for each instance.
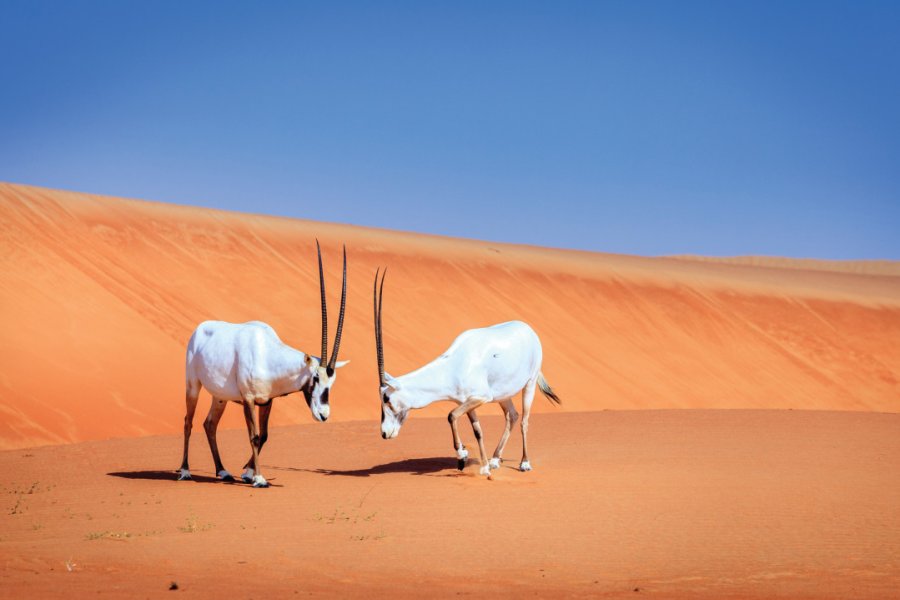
<point>633,504</point>
<point>99,296</point>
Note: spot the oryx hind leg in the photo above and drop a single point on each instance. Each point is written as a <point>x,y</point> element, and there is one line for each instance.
<point>509,412</point>
<point>191,393</point>
<point>527,398</point>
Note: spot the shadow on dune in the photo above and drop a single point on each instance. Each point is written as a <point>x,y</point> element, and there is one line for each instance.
<point>161,476</point>
<point>173,476</point>
<point>414,466</point>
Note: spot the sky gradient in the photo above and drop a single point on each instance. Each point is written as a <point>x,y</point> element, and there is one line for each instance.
<point>651,128</point>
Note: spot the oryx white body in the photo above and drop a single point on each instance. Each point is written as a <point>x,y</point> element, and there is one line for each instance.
<point>482,366</point>
<point>247,363</point>
<point>490,364</point>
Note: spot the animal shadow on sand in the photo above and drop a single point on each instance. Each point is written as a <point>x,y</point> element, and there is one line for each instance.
<point>173,476</point>
<point>415,466</point>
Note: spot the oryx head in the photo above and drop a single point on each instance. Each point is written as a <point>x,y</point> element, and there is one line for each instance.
<point>394,407</point>
<point>321,371</point>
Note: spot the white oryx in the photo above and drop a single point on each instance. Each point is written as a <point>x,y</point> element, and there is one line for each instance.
<point>247,363</point>
<point>481,366</point>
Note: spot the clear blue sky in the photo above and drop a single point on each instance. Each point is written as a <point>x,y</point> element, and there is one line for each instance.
<point>717,128</point>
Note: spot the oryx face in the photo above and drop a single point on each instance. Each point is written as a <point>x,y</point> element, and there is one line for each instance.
<point>393,412</point>
<point>394,404</point>
<point>317,390</point>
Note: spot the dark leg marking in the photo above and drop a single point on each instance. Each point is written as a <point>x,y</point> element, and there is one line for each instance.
<point>211,424</point>
<point>264,411</point>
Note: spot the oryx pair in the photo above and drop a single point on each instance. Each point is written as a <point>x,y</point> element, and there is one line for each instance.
<point>247,363</point>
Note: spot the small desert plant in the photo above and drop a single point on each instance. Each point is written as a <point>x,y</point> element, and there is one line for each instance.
<point>193,524</point>
<point>110,535</point>
<point>18,508</point>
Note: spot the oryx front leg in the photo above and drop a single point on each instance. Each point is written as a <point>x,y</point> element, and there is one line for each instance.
<point>264,411</point>
<point>461,453</point>
<point>476,429</point>
<point>253,431</point>
<point>509,411</point>
<point>210,425</point>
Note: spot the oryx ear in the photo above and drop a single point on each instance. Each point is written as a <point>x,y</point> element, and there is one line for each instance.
<point>340,363</point>
<point>309,360</point>
<point>391,382</point>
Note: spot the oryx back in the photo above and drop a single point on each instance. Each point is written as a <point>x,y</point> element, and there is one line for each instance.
<point>228,357</point>
<point>496,361</point>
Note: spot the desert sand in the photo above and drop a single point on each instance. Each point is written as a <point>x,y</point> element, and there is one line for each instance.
<point>729,426</point>
<point>673,504</point>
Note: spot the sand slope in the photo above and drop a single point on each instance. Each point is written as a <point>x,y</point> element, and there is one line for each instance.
<point>99,295</point>
<point>662,504</point>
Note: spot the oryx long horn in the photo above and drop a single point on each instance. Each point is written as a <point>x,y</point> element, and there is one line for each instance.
<point>377,298</point>
<point>340,326</point>
<point>324,309</point>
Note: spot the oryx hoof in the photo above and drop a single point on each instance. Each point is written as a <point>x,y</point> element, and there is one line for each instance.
<point>260,482</point>
<point>525,466</point>
<point>494,463</point>
<point>224,475</point>
<point>462,455</point>
<point>485,470</point>
<point>185,475</point>
<point>247,476</point>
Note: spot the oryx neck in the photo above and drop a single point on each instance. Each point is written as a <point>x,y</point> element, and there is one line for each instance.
<point>428,384</point>
<point>288,363</point>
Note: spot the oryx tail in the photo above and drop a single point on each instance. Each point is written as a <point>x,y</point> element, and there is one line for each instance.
<point>547,390</point>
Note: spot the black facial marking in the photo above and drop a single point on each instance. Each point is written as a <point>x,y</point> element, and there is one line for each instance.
<point>329,371</point>
<point>385,399</point>
<point>325,395</point>
<point>382,413</point>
